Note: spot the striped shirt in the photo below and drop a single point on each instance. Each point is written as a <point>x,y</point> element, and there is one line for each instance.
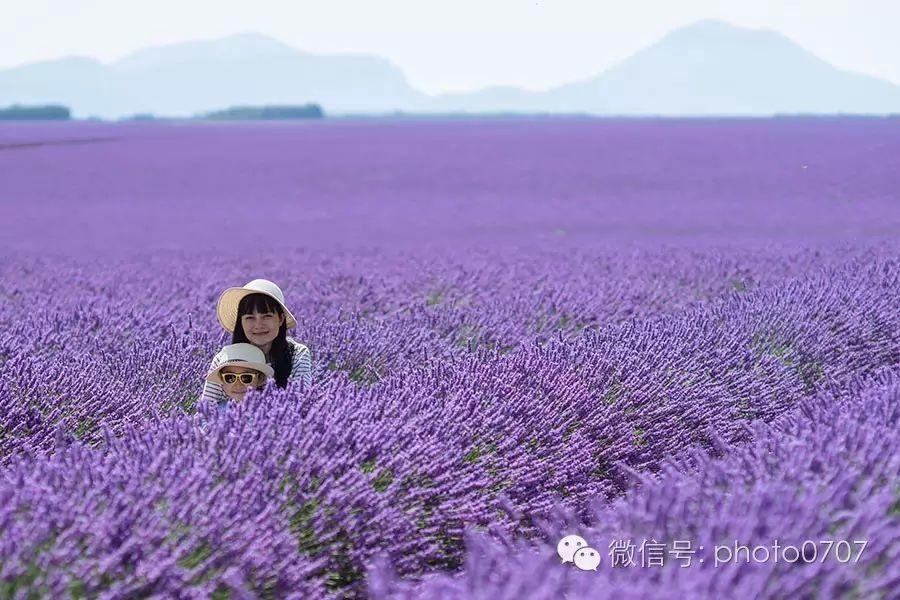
<point>301,370</point>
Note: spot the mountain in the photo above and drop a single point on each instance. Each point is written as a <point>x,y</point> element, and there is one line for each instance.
<point>55,82</point>
<point>193,77</point>
<point>711,67</point>
<point>707,68</point>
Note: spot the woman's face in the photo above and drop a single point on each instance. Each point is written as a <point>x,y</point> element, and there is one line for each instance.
<point>238,388</point>
<point>261,328</point>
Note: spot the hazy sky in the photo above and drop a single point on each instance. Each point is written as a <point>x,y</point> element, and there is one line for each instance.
<point>450,45</point>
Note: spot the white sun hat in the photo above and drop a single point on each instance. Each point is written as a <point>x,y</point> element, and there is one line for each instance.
<point>239,355</point>
<point>227,307</point>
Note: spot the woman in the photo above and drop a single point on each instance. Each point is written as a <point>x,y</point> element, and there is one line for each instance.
<point>256,314</point>
<point>241,367</point>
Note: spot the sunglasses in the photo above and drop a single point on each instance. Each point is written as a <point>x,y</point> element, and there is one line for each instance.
<point>245,378</point>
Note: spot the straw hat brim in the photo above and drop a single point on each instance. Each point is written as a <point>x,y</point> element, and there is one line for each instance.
<point>227,307</point>
<point>215,377</point>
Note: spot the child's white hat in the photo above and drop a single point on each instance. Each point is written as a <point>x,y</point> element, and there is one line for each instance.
<point>239,355</point>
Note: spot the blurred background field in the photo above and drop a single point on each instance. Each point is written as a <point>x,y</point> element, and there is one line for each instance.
<point>335,184</point>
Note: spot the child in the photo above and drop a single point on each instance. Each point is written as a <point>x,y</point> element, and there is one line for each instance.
<point>240,366</point>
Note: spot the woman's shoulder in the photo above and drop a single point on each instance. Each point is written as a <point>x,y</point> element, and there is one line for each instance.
<point>301,361</point>
<point>297,346</point>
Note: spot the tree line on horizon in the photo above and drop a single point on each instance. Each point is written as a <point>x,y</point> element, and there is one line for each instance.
<point>57,112</point>
<point>47,112</point>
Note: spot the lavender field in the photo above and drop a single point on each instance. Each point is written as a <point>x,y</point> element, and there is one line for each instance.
<point>520,330</point>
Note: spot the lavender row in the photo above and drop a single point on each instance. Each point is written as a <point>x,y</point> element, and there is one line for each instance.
<point>89,343</point>
<point>809,508</point>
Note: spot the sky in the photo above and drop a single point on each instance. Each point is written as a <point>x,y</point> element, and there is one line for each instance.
<point>458,45</point>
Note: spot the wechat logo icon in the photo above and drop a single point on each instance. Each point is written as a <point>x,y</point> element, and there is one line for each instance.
<point>575,549</point>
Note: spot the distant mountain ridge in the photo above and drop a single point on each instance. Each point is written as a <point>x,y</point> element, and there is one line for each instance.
<point>707,68</point>
<point>194,77</point>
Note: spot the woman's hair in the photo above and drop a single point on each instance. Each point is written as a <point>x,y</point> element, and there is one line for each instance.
<point>281,355</point>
